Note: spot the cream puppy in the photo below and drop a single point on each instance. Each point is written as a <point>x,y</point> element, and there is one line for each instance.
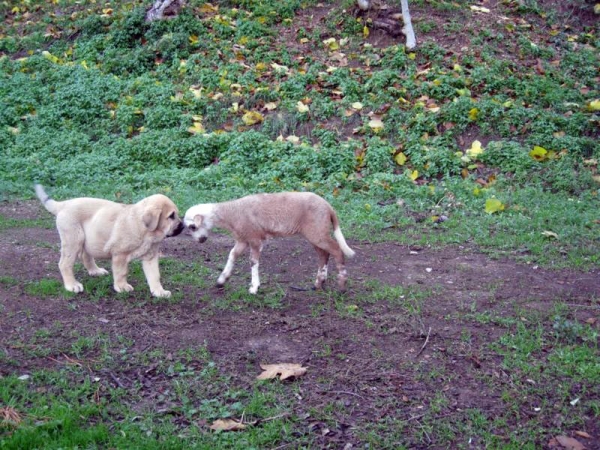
<point>92,228</point>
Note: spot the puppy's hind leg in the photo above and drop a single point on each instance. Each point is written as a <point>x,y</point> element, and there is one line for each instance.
<point>119,269</point>
<point>90,264</point>
<point>234,254</point>
<point>71,245</point>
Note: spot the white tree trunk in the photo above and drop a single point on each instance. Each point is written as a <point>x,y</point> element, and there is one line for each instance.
<point>411,41</point>
<point>162,9</point>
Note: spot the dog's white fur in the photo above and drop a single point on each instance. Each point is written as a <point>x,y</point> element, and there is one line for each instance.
<point>255,218</point>
<point>92,228</point>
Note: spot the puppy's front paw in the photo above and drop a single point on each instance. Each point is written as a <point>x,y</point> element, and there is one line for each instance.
<point>126,287</point>
<point>98,272</point>
<point>161,293</point>
<point>253,289</point>
<point>75,287</point>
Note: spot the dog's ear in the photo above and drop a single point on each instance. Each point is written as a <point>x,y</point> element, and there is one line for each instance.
<point>151,218</point>
<point>198,219</point>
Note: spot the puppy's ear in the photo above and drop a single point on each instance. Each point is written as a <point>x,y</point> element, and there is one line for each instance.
<point>198,219</point>
<point>151,218</point>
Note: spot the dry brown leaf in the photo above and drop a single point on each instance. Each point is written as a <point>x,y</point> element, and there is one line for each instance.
<point>570,443</point>
<point>583,434</point>
<point>286,370</point>
<point>10,416</point>
<point>227,425</point>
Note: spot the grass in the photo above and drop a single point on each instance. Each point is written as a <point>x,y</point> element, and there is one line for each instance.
<point>127,135</point>
<point>9,222</point>
<point>540,364</point>
<point>97,102</point>
<point>61,415</point>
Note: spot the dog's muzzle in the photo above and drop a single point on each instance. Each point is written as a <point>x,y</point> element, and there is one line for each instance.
<point>202,239</point>
<point>178,230</point>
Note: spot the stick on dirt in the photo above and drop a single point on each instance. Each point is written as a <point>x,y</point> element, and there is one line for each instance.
<point>425,344</point>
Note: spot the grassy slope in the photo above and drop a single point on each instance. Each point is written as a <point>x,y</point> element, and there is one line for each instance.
<point>100,103</point>
<point>96,102</point>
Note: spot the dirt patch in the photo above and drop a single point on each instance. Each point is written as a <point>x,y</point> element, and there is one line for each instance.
<point>378,357</point>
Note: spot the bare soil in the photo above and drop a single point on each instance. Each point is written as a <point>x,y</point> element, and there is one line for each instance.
<point>374,360</point>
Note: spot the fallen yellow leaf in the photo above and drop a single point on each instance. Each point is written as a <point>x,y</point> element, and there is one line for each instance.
<point>594,105</point>
<point>400,159</point>
<point>208,8</point>
<point>376,124</point>
<point>493,205</point>
<point>550,234</point>
<point>357,105</point>
<point>196,92</point>
<point>538,153</point>
<point>50,57</point>
<point>227,425</point>
<point>414,175</point>
<point>473,113</point>
<point>331,43</point>
<point>302,108</point>
<point>278,68</point>
<point>252,118</point>
<point>286,370</point>
<point>196,128</point>
<point>475,150</point>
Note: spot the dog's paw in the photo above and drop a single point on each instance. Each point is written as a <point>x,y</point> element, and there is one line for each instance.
<point>123,288</point>
<point>253,289</point>
<point>98,272</point>
<point>162,293</point>
<point>75,287</point>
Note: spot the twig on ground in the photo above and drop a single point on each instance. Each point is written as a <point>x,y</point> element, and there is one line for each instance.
<point>342,392</point>
<point>268,419</point>
<point>116,380</point>
<point>425,344</point>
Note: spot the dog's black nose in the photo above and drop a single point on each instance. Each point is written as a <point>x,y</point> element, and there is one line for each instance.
<point>202,239</point>
<point>178,230</point>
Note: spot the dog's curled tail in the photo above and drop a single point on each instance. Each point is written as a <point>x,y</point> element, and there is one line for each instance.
<point>48,203</point>
<point>339,237</point>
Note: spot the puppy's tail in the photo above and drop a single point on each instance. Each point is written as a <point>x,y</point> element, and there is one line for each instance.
<point>48,203</point>
<point>339,237</point>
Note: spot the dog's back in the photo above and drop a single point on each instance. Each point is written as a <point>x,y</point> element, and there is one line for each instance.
<point>83,208</point>
<point>280,214</point>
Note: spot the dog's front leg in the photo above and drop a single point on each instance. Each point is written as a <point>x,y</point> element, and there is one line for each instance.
<point>235,252</point>
<point>119,269</point>
<point>152,273</point>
